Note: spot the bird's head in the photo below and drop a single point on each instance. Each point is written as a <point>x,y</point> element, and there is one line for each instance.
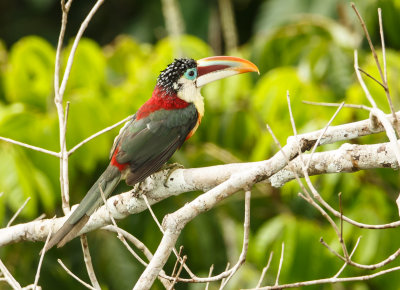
<point>184,77</point>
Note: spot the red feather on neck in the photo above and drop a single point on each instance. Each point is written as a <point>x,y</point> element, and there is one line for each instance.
<point>160,100</point>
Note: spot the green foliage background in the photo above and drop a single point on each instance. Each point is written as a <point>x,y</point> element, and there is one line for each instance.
<point>305,47</point>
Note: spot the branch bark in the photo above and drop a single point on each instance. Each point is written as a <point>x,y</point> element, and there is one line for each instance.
<point>232,176</point>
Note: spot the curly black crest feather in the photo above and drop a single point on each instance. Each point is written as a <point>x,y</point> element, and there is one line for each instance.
<point>173,72</point>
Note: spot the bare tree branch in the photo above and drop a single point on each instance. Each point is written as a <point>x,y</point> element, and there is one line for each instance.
<point>75,277</point>
<point>17,212</point>
<point>98,134</point>
<point>37,276</point>
<point>186,180</point>
<point>30,146</point>
<point>8,277</point>
<point>88,262</point>
<point>332,280</point>
<point>265,269</point>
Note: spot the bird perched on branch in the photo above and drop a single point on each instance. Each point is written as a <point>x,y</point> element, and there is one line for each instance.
<point>155,132</point>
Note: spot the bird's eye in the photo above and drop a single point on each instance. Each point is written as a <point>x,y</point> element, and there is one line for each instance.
<point>191,74</point>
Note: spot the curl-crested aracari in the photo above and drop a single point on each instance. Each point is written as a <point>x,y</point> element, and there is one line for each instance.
<point>155,132</point>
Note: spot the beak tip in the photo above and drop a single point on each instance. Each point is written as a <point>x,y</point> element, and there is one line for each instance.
<point>228,62</point>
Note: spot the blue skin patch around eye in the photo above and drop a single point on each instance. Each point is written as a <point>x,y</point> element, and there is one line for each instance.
<point>191,74</point>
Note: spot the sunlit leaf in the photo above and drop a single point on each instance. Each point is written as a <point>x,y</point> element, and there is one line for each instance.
<point>29,73</point>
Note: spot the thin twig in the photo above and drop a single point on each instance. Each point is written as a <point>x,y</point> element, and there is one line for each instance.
<point>265,269</point>
<point>58,100</point>
<point>225,271</point>
<point>371,77</point>
<point>131,238</point>
<point>18,212</point>
<point>164,278</point>
<point>321,240</point>
<point>323,212</point>
<point>378,113</point>
<point>384,75</point>
<point>178,273</point>
<point>30,146</point>
<point>391,258</point>
<point>291,114</point>
<point>382,44</point>
<point>364,87</point>
<point>341,216</point>
<point>99,133</point>
<point>121,237</point>
<point>9,278</point>
<point>306,195</point>
<point>246,234</point>
<point>88,262</point>
<point>37,276</point>
<point>75,277</point>
<point>280,265</point>
<point>154,216</point>
<point>354,106</point>
<point>353,222</point>
<point>351,255</point>
<point>209,275</point>
<point>64,178</point>
<point>65,9</point>
<point>398,203</point>
<point>323,133</point>
<point>77,39</point>
<point>177,261</point>
<point>371,46</point>
<point>240,261</point>
<point>162,231</point>
<point>329,280</point>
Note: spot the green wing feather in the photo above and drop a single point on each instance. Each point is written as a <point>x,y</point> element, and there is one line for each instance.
<point>145,144</point>
<point>149,142</point>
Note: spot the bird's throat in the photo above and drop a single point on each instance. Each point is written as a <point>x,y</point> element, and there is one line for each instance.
<point>191,94</point>
<point>160,100</point>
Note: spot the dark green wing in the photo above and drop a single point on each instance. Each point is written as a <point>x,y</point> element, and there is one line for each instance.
<point>148,143</point>
<point>120,134</point>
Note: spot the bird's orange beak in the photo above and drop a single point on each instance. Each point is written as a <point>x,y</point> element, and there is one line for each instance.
<point>214,68</point>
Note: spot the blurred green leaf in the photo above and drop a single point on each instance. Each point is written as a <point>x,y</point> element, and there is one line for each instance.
<point>89,67</point>
<point>29,73</point>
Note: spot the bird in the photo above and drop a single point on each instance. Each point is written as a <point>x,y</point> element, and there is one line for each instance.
<point>160,126</point>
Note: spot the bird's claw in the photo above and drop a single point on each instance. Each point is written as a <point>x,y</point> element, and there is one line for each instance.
<point>136,190</point>
<point>171,168</point>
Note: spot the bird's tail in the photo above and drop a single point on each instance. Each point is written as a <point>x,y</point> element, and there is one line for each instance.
<point>92,200</point>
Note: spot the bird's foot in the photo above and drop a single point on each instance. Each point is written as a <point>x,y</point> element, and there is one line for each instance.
<point>137,190</point>
<point>171,168</point>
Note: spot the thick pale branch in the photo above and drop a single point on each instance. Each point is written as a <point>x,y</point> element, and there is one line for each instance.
<point>203,179</point>
<point>348,158</point>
